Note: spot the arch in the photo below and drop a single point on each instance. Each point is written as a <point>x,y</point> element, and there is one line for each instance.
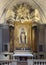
<point>34,4</point>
